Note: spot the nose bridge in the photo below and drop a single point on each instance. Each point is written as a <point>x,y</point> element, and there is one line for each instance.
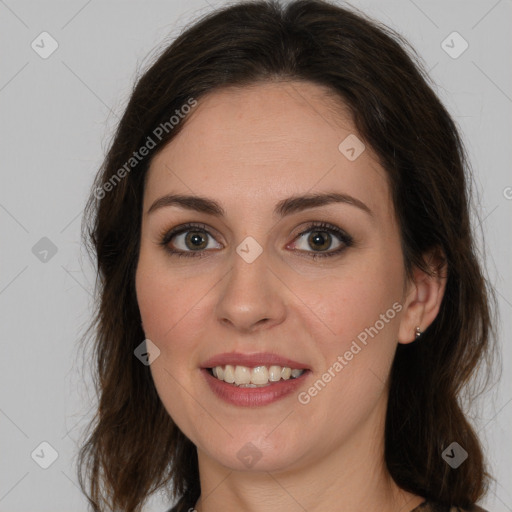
<point>251,293</point>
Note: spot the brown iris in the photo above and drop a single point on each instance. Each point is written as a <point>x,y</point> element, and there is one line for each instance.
<point>319,240</point>
<point>195,240</point>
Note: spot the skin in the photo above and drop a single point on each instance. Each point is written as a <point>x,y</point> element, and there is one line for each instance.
<point>249,148</point>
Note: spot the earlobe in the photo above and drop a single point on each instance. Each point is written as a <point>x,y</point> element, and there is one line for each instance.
<point>423,300</point>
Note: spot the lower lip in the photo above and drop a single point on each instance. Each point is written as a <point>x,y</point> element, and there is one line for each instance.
<point>253,397</point>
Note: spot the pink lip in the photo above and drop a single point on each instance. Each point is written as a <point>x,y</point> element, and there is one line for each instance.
<point>252,397</point>
<point>252,360</point>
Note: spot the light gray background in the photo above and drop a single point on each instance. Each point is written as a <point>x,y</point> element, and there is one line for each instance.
<point>57,116</point>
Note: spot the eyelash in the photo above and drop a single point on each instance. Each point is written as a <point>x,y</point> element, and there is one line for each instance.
<point>343,237</point>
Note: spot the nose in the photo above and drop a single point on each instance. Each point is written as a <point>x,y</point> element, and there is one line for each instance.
<point>252,297</point>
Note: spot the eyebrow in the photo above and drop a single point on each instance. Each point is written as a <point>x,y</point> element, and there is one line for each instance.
<point>284,207</point>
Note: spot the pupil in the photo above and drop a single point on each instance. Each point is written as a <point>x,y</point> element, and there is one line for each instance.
<point>319,239</point>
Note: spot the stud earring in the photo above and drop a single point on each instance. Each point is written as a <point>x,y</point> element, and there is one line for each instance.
<point>417,332</point>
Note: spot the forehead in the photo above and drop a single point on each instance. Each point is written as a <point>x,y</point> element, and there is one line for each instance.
<point>260,143</point>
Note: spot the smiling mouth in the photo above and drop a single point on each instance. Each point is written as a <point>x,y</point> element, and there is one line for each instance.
<point>257,377</point>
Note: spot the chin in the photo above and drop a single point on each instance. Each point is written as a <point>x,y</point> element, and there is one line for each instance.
<point>256,451</point>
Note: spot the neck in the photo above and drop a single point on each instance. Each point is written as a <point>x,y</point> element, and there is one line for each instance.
<point>351,478</point>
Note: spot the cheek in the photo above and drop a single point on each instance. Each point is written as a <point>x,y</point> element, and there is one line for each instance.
<point>354,329</point>
<point>349,304</point>
<point>166,305</point>
<point>170,311</point>
<point>166,299</point>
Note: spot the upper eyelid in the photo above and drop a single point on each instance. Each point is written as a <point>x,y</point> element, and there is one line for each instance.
<point>183,228</point>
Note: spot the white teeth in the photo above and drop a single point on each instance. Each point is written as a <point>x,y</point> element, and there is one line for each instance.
<point>274,373</point>
<point>244,376</point>
<point>259,375</point>
<point>229,374</point>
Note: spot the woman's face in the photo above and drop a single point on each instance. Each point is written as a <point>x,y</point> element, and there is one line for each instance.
<point>261,286</point>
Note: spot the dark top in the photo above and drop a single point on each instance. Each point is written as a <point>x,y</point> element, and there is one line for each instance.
<point>426,506</point>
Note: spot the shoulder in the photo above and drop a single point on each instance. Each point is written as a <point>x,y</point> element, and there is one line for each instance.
<point>474,508</point>
<point>429,506</point>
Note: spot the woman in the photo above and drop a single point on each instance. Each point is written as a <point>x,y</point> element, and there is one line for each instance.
<point>290,301</point>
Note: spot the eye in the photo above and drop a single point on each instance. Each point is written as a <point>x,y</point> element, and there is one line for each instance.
<point>324,240</point>
<point>195,240</point>
<point>189,239</point>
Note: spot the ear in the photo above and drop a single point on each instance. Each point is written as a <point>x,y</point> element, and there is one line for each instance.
<point>423,297</point>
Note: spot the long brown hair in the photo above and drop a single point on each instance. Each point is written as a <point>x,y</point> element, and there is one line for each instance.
<point>133,448</point>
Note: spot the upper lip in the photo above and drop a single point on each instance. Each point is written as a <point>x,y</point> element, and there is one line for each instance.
<point>252,360</point>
